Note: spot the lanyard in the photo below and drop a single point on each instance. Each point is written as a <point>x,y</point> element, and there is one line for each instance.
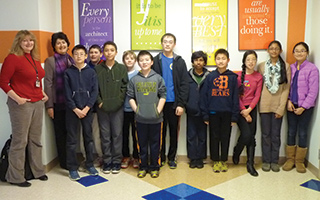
<point>34,66</point>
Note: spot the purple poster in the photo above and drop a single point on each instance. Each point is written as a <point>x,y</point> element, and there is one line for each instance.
<point>95,22</point>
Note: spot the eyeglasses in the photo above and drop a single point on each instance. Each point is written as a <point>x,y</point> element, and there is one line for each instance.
<point>274,49</point>
<point>168,42</point>
<point>80,54</point>
<point>302,51</point>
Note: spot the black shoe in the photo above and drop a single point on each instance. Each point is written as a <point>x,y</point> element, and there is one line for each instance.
<point>252,171</point>
<point>23,184</point>
<point>199,163</point>
<point>43,178</point>
<point>236,153</point>
<point>193,164</point>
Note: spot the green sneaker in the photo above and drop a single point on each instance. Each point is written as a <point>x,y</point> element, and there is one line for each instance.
<point>224,166</point>
<point>154,174</point>
<point>216,166</point>
<point>142,173</point>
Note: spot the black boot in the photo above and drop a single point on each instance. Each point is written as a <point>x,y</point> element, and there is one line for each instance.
<point>250,162</point>
<point>236,153</point>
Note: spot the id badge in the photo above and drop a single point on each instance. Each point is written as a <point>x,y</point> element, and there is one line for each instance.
<point>37,83</point>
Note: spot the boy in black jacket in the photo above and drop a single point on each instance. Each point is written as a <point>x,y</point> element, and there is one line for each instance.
<point>219,104</point>
<point>81,90</point>
<point>173,69</point>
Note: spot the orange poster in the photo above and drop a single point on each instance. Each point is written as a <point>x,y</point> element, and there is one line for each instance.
<point>256,24</point>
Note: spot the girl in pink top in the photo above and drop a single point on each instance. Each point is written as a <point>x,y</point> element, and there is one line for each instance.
<point>250,84</point>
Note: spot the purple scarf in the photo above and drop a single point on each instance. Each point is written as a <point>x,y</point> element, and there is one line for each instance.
<point>62,62</point>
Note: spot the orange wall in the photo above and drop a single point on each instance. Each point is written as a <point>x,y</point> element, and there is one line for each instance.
<point>296,25</point>
<point>67,20</point>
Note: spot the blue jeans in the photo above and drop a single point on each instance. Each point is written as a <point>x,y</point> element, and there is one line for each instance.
<point>299,124</point>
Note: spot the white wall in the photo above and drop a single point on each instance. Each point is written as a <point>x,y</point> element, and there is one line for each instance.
<point>313,40</point>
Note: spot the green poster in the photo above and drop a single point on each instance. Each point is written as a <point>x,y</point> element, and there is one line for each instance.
<point>148,24</point>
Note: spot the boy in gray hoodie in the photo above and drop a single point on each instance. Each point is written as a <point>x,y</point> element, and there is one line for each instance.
<point>147,94</point>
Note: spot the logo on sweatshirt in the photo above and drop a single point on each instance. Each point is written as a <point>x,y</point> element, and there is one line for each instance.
<point>221,84</point>
<point>146,87</point>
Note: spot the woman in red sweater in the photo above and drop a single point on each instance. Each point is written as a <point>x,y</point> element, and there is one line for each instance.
<point>250,85</point>
<point>20,79</point>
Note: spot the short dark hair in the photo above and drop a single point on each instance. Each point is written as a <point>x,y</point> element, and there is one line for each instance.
<point>78,47</point>
<point>169,35</point>
<point>199,54</point>
<point>110,43</point>
<point>56,36</point>
<point>303,44</point>
<point>95,46</point>
<point>143,53</point>
<point>221,51</point>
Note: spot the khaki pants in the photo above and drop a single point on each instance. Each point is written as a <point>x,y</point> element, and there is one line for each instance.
<point>26,124</point>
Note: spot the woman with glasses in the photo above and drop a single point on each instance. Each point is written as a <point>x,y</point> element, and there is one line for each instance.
<point>276,84</point>
<point>302,99</point>
<point>250,84</point>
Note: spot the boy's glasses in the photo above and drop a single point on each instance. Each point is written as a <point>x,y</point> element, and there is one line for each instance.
<point>79,54</point>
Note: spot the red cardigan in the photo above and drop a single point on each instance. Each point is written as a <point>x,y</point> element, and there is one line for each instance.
<point>19,75</point>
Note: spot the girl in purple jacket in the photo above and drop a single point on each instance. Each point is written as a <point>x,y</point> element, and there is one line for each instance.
<point>302,99</point>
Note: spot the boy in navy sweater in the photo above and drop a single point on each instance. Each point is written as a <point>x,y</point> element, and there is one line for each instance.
<point>81,90</point>
<point>219,104</point>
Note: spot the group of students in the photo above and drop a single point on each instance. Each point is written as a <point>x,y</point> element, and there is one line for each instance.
<point>151,99</point>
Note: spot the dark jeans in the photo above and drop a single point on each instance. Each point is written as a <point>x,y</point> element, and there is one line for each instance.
<point>169,117</point>
<point>60,130</point>
<point>196,138</point>
<point>270,130</point>
<point>73,137</point>
<point>299,124</point>
<point>220,130</point>
<point>149,138</point>
<point>248,129</point>
<point>127,122</point>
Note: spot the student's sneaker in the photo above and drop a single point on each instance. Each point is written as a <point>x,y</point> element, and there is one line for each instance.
<point>193,164</point>
<point>135,163</point>
<point>172,164</point>
<point>74,175</point>
<point>154,174</point>
<point>142,173</point>
<point>275,167</point>
<point>125,162</point>
<point>266,167</point>
<point>92,171</point>
<point>199,164</point>
<point>106,168</point>
<point>162,163</point>
<point>216,166</point>
<point>116,168</point>
<point>223,166</point>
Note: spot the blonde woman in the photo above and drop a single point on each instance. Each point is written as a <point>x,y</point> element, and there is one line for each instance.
<point>20,79</point>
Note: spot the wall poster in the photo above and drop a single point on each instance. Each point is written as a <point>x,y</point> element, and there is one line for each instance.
<point>256,24</point>
<point>148,24</point>
<point>95,22</point>
<point>209,26</point>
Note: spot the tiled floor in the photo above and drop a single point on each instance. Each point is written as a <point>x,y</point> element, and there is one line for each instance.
<point>180,183</point>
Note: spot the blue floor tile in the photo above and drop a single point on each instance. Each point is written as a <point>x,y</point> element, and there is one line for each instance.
<point>161,195</point>
<point>182,190</point>
<point>91,180</point>
<point>312,184</point>
<point>203,196</point>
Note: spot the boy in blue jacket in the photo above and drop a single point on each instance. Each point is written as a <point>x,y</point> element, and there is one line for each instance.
<point>219,104</point>
<point>81,90</point>
<point>196,128</point>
